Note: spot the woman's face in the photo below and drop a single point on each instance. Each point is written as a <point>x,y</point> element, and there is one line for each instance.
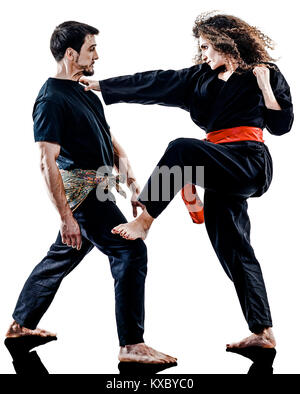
<point>210,56</point>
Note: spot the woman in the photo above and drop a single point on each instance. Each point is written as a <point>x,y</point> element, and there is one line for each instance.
<point>233,92</point>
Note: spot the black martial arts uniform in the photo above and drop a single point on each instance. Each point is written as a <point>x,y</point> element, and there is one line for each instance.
<point>233,171</point>
<point>67,115</point>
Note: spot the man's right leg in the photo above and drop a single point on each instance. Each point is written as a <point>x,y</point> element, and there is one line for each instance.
<point>128,263</point>
<point>43,283</point>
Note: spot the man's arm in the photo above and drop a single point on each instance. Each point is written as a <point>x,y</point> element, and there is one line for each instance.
<point>123,167</point>
<point>69,229</point>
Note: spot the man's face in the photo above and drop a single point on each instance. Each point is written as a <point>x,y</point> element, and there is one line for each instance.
<point>87,56</point>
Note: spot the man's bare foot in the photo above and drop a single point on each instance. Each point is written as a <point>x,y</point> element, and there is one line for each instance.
<point>141,353</point>
<point>264,339</point>
<point>138,228</point>
<point>16,331</point>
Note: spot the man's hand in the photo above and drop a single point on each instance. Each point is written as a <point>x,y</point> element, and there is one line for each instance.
<point>90,85</point>
<point>135,190</point>
<point>70,232</point>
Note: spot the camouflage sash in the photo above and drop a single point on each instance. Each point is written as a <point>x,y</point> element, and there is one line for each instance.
<point>78,183</point>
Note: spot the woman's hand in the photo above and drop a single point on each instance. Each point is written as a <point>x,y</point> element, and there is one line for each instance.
<point>262,74</point>
<point>90,85</point>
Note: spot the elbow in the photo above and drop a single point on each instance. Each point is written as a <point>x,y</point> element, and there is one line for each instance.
<point>280,126</point>
<point>49,152</point>
<point>45,163</point>
<point>279,130</point>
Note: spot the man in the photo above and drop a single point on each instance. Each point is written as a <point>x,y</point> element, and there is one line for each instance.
<point>74,140</point>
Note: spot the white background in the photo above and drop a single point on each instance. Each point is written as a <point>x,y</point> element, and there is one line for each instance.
<point>192,310</point>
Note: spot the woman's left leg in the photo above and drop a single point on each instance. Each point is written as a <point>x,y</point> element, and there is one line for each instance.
<point>228,226</point>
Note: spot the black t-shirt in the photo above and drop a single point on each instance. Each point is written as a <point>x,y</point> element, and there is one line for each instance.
<point>68,115</point>
<point>213,104</point>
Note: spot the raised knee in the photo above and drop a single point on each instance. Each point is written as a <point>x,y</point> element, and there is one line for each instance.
<point>177,142</point>
<point>183,144</point>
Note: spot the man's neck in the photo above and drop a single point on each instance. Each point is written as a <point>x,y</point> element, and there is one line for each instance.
<point>64,72</point>
<point>72,77</point>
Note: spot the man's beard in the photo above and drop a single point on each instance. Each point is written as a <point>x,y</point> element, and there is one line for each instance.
<point>85,71</point>
<point>88,73</point>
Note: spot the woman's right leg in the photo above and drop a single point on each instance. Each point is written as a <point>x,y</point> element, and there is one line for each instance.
<point>184,162</point>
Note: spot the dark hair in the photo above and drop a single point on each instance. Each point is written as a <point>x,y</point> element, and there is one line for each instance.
<point>69,35</point>
<point>233,37</point>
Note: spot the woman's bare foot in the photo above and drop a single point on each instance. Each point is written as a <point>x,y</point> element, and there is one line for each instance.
<point>141,353</point>
<point>264,339</point>
<point>138,228</point>
<point>16,331</point>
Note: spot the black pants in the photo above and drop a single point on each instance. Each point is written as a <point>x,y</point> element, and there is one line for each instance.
<point>128,262</point>
<point>232,173</point>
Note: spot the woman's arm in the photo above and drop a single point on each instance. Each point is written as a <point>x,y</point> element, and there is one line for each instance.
<point>277,97</point>
<point>263,80</point>
<point>168,87</point>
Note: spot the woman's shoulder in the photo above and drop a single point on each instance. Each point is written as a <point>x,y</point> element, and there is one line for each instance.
<point>198,70</point>
<point>272,66</point>
<point>193,72</point>
<point>278,80</point>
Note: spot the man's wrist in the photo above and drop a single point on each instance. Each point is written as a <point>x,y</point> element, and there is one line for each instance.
<point>130,181</point>
<point>66,215</point>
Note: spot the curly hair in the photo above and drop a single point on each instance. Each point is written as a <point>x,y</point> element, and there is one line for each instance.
<point>233,37</point>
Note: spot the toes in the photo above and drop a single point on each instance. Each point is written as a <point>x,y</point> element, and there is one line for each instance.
<point>162,356</point>
<point>44,334</point>
<point>123,233</point>
<point>171,359</point>
<point>231,345</point>
<point>160,361</point>
<point>127,235</point>
<point>117,229</point>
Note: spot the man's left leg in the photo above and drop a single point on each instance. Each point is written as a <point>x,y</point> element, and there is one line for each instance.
<point>34,300</point>
<point>42,284</point>
<point>228,227</point>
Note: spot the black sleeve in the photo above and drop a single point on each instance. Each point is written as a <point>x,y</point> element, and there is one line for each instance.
<point>168,88</point>
<point>280,122</point>
<point>48,122</point>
